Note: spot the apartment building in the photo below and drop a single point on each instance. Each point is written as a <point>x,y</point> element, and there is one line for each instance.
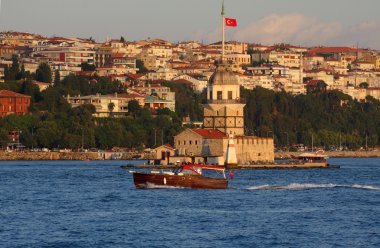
<point>68,55</point>
<point>13,103</point>
<point>114,105</point>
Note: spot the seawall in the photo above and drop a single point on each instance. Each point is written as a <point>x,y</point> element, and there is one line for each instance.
<point>109,155</point>
<point>335,154</point>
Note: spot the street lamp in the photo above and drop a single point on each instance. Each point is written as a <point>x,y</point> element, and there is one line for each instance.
<point>33,138</point>
<point>155,137</point>
<point>287,140</point>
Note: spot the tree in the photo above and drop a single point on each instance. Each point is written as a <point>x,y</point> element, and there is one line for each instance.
<point>43,73</point>
<point>140,65</point>
<point>21,74</point>
<point>133,107</point>
<point>122,39</point>
<point>57,77</point>
<point>4,138</point>
<point>14,71</point>
<point>111,107</point>
<point>363,85</point>
<point>87,67</point>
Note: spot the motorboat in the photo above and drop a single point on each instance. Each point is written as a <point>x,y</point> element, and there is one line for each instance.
<point>195,176</point>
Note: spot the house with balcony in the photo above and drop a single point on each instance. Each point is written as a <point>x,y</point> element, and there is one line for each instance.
<point>112,105</point>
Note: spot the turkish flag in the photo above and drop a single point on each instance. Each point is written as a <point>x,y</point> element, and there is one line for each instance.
<point>231,22</point>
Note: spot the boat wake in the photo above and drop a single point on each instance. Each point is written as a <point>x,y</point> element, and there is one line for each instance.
<point>303,186</point>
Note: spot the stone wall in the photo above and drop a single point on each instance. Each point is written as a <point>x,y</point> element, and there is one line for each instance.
<point>250,148</point>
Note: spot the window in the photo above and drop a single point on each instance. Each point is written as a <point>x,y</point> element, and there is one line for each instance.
<point>229,95</point>
<point>219,95</point>
<point>179,142</point>
<point>190,142</point>
<point>196,142</point>
<point>184,142</point>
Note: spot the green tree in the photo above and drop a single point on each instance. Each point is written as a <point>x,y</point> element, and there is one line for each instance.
<point>133,107</point>
<point>4,138</point>
<point>43,73</point>
<point>111,107</point>
<point>13,72</point>
<point>140,65</point>
<point>57,76</point>
<point>87,67</point>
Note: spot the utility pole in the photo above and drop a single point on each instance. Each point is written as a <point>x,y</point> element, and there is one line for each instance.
<point>82,139</point>
<point>155,137</point>
<point>162,136</point>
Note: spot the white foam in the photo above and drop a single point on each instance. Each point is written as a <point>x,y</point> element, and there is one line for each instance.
<point>302,186</point>
<point>365,187</point>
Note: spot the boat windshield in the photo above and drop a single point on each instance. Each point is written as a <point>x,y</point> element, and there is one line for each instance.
<point>201,170</point>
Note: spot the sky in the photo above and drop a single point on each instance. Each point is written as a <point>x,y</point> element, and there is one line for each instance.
<point>298,22</point>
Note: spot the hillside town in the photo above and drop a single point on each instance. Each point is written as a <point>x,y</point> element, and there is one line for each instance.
<point>143,65</point>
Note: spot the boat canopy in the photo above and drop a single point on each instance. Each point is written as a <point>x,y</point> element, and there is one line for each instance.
<point>312,156</point>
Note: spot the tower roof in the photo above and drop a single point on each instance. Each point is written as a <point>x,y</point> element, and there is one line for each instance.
<point>223,76</point>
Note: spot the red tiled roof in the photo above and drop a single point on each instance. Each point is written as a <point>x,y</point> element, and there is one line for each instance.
<point>128,95</point>
<point>182,81</point>
<point>39,83</point>
<point>312,82</point>
<point>333,50</point>
<point>7,93</point>
<point>210,133</point>
<point>135,76</point>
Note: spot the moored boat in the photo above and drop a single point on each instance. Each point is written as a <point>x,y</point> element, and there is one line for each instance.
<point>313,159</point>
<point>193,176</point>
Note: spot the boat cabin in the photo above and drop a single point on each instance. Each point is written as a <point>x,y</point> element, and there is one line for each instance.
<point>200,170</point>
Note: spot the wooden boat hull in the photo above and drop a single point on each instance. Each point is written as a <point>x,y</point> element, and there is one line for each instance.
<point>143,180</point>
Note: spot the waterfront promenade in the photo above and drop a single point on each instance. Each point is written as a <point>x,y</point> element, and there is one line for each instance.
<point>108,155</point>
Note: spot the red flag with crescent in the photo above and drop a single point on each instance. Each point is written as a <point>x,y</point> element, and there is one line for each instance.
<point>231,22</point>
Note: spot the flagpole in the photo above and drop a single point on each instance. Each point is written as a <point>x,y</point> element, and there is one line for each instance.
<point>222,31</point>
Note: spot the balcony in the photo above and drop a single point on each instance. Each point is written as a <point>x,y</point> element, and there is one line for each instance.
<point>224,101</point>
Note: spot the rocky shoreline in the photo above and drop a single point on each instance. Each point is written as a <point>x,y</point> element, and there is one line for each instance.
<point>23,155</point>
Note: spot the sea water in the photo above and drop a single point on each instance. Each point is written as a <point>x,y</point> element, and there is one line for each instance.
<point>95,204</point>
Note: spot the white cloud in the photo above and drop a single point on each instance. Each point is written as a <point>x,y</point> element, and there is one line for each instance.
<point>299,29</point>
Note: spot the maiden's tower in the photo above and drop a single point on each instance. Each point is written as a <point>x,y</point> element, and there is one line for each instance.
<point>223,118</point>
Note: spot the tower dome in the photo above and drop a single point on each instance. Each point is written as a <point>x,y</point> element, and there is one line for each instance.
<point>223,76</point>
